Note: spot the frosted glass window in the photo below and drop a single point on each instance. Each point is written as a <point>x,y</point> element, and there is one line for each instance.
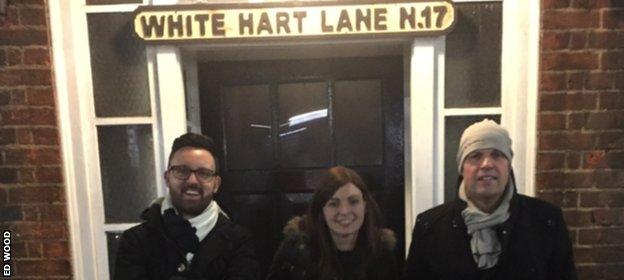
<point>455,126</point>
<point>304,139</point>
<point>119,69</point>
<point>473,56</point>
<point>248,127</point>
<point>127,168</point>
<point>358,122</point>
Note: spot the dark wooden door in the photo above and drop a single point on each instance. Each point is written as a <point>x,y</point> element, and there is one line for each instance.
<point>281,122</point>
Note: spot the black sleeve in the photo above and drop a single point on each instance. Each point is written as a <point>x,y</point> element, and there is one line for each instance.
<point>281,258</point>
<point>243,264</point>
<point>130,262</point>
<point>415,267</point>
<point>562,260</point>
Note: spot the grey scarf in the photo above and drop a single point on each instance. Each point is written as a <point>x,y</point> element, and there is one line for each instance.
<point>484,243</point>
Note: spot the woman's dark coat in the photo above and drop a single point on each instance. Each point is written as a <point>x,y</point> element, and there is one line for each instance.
<point>146,252</point>
<point>535,244</point>
<point>293,260</point>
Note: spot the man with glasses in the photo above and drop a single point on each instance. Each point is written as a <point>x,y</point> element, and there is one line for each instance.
<point>185,234</point>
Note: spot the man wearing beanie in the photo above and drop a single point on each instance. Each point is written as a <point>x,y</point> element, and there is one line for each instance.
<point>490,231</point>
<point>185,234</point>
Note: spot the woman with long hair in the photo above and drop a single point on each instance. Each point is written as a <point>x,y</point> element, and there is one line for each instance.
<point>341,237</point>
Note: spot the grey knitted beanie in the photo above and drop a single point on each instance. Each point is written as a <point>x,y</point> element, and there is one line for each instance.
<point>485,134</point>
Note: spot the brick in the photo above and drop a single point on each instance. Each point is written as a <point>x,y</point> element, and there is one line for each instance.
<point>33,17</point>
<point>609,178</point>
<point>549,161</point>
<point>34,249</point>
<point>40,231</point>
<point>570,101</point>
<point>3,195</point>
<point>578,180</point>
<point>53,213</point>
<point>595,159</point>
<point>563,199</point>
<point>5,97</point>
<point>611,100</point>
<point>600,271</point>
<point>573,160</point>
<point>10,213</point>
<point>554,40</point>
<point>58,249</point>
<point>600,254</point>
<point>608,217</point>
<point>23,37</point>
<point>550,81</point>
<point>45,136</point>
<point>18,249</point>
<point>48,175</point>
<point>8,175</point>
<point>613,60</point>
<point>18,97</point>
<point>29,116</point>
<point>569,61</point>
<point>605,120</point>
<point>578,218</point>
<point>619,81</point>
<point>16,57</point>
<point>600,80</point>
<point>36,57</point>
<point>551,121</point>
<point>615,160</point>
<point>602,199</point>
<point>566,141</point>
<point>24,136</point>
<point>609,39</point>
<point>25,195</point>
<point>613,19</point>
<point>578,40</point>
<point>7,136</point>
<point>11,18</point>
<point>570,19</point>
<point>38,156</point>
<point>577,120</point>
<point>31,213</point>
<point>3,58</point>
<point>30,77</point>
<point>47,268</point>
<point>595,4</point>
<point>611,140</point>
<point>40,96</point>
<point>27,175</point>
<point>549,180</point>
<point>555,4</point>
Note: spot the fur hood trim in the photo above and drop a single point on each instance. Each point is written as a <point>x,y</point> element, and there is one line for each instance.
<point>294,228</point>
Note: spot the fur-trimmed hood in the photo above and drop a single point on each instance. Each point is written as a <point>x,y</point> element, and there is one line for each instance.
<point>295,228</point>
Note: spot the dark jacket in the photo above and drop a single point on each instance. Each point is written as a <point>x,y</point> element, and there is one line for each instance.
<point>535,244</point>
<point>294,261</point>
<point>146,252</point>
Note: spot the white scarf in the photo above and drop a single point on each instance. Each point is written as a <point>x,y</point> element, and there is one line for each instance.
<point>204,222</point>
<point>484,243</point>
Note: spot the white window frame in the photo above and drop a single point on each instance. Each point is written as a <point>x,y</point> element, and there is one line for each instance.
<point>424,164</point>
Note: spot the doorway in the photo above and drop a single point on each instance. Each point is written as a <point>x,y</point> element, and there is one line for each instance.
<point>280,123</point>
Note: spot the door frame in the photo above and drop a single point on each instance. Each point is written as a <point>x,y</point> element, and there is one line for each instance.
<point>423,160</point>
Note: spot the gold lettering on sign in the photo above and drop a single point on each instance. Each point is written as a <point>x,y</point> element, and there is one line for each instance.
<point>203,22</point>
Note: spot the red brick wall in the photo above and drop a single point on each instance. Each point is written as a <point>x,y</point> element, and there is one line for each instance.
<point>580,163</point>
<point>32,199</point>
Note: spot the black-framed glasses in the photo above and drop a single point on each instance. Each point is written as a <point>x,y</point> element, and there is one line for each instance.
<point>183,172</point>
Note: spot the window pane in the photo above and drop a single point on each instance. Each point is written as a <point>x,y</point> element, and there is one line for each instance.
<point>112,239</point>
<point>248,127</point>
<point>118,66</point>
<point>127,166</point>
<point>473,56</point>
<point>358,122</point>
<point>454,128</point>
<point>304,139</point>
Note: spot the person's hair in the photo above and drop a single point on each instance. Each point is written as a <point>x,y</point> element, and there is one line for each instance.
<point>322,246</point>
<point>195,140</point>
